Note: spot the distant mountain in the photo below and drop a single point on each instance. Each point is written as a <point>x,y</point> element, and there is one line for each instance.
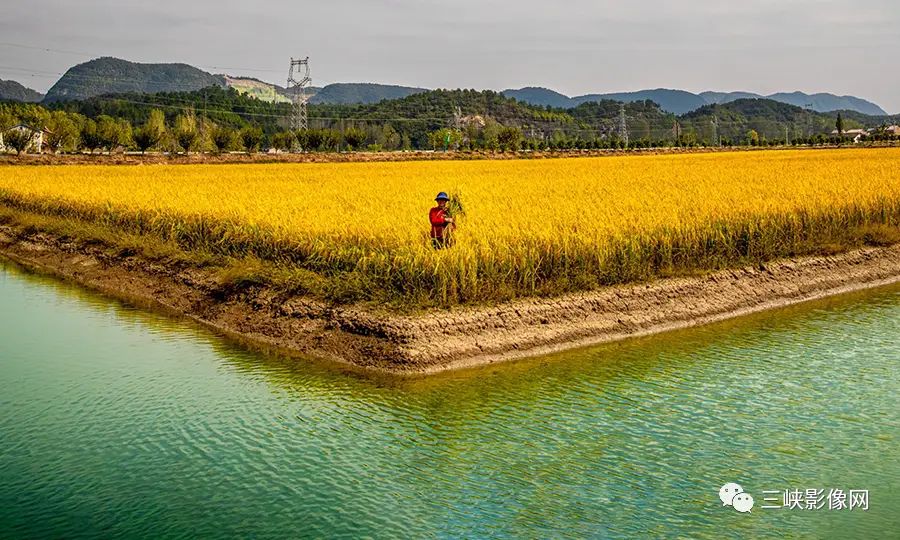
<point>115,76</point>
<point>104,76</point>
<point>714,98</point>
<point>770,119</point>
<point>829,102</point>
<point>673,101</point>
<point>821,102</point>
<point>540,96</point>
<point>361,93</point>
<point>681,102</point>
<point>11,90</point>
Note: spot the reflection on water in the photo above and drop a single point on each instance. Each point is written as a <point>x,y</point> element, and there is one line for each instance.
<point>120,422</point>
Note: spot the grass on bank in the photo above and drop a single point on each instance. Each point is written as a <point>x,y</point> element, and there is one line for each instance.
<point>229,275</point>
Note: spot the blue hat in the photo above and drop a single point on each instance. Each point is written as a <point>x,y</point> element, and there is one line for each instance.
<point>442,197</point>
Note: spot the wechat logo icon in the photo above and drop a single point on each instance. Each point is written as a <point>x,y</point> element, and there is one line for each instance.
<point>733,495</point>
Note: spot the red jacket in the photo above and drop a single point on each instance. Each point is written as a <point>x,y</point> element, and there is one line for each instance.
<point>437,217</point>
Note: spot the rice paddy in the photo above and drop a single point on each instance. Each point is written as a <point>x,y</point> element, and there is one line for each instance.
<point>359,231</point>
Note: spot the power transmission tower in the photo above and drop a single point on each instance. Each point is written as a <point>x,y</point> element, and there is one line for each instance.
<point>458,123</point>
<point>297,84</point>
<point>715,124</point>
<point>623,125</point>
<point>809,119</point>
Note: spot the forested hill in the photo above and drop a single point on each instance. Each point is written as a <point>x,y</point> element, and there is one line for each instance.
<point>673,101</point>
<point>104,76</point>
<point>478,119</point>
<point>770,119</point>
<point>361,93</point>
<point>541,96</point>
<point>435,109</point>
<point>413,116</point>
<point>227,106</point>
<point>13,91</point>
<point>473,112</point>
<point>112,75</point>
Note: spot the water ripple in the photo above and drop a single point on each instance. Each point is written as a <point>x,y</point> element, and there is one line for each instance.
<point>128,424</point>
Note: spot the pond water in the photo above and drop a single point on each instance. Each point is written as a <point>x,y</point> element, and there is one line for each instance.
<point>119,422</point>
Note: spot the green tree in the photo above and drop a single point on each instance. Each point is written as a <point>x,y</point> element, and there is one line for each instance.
<point>354,138</point>
<point>330,140</point>
<point>63,131</point>
<point>108,131</point>
<point>283,140</point>
<point>489,138</point>
<point>314,139</point>
<point>751,138</point>
<point>687,139</point>
<point>839,124</point>
<point>18,139</point>
<point>113,132</point>
<point>125,133</point>
<point>145,138</point>
<point>157,121</point>
<point>157,124</point>
<point>223,138</point>
<point>301,138</point>
<point>251,138</point>
<point>90,136</point>
<point>186,133</point>
<point>389,138</point>
<point>445,138</point>
<point>509,139</point>
<point>7,118</point>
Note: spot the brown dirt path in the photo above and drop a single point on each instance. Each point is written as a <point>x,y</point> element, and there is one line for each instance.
<point>367,157</point>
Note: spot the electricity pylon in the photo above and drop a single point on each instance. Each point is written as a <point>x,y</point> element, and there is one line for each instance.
<point>297,84</point>
<point>623,126</point>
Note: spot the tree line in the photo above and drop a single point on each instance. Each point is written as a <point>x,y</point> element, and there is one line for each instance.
<point>216,120</point>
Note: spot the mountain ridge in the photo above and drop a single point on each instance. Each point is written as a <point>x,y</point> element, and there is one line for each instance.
<point>108,75</point>
<point>16,91</point>
<point>681,101</point>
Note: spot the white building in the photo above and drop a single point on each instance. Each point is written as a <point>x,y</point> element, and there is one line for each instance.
<point>35,145</point>
<point>855,134</point>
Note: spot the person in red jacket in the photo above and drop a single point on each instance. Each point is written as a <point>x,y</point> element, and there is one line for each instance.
<point>441,222</point>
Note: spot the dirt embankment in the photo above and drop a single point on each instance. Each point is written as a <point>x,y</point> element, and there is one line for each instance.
<point>454,338</point>
<point>356,157</point>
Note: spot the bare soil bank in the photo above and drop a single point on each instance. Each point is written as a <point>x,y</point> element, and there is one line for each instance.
<point>449,339</point>
<point>358,157</point>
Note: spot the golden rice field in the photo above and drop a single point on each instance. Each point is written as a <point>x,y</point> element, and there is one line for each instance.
<point>531,226</point>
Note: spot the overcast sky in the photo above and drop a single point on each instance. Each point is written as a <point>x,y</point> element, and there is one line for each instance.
<point>575,47</point>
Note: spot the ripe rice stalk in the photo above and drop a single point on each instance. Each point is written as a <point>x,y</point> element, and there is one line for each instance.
<point>525,227</point>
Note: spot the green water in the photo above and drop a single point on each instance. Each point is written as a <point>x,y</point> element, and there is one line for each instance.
<point>117,422</point>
